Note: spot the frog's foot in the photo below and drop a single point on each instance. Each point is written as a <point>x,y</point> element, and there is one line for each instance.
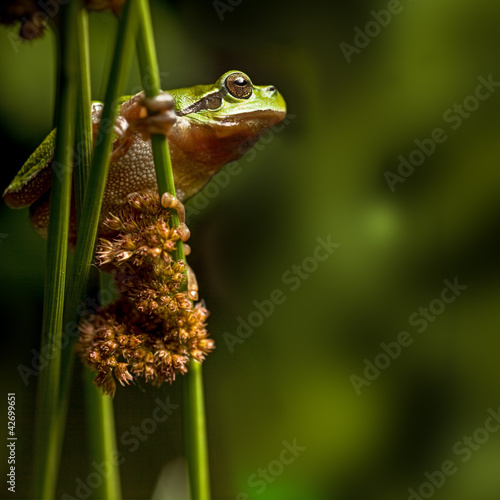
<point>170,201</point>
<point>192,284</point>
<point>147,115</point>
<point>124,140</point>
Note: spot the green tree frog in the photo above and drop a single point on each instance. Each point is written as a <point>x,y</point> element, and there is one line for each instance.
<point>207,126</point>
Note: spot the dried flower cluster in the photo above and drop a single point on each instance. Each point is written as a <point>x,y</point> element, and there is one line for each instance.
<point>153,330</point>
<point>34,14</point>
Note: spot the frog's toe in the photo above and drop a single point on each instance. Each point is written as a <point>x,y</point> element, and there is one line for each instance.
<point>184,231</point>
<point>192,284</point>
<point>160,114</point>
<point>160,103</point>
<point>149,115</point>
<point>124,139</point>
<point>170,201</point>
<point>155,124</point>
<point>121,126</point>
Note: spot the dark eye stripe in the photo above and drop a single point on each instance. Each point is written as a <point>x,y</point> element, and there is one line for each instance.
<point>210,101</point>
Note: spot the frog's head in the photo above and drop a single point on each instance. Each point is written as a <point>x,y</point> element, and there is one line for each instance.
<point>232,100</point>
<point>218,123</point>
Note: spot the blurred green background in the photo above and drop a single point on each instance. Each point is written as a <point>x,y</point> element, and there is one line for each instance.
<point>353,112</point>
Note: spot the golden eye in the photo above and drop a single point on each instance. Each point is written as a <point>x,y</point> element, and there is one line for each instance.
<point>239,85</point>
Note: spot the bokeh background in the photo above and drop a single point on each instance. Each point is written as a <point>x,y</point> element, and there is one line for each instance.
<point>352,113</point>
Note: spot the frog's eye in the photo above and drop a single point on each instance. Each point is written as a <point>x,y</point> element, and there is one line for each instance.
<point>239,85</point>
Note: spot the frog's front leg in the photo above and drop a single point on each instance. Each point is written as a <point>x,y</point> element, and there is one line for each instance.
<point>147,115</point>
<point>170,201</point>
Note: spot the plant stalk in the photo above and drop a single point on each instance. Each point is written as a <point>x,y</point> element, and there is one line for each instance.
<point>47,449</point>
<point>55,384</point>
<point>100,415</point>
<point>195,433</point>
<point>89,220</point>
<point>84,142</point>
<point>194,415</point>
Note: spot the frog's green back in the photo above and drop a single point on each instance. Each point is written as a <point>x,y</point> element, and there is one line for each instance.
<point>34,178</point>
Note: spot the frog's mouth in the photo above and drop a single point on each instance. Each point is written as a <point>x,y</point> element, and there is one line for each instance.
<point>251,123</point>
<point>267,117</point>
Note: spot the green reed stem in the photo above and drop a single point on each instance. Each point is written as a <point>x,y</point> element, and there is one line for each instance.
<point>100,415</point>
<point>150,74</point>
<point>194,415</point>
<point>84,142</point>
<point>89,220</point>
<point>89,216</point>
<point>102,438</point>
<point>47,449</point>
<point>195,433</point>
